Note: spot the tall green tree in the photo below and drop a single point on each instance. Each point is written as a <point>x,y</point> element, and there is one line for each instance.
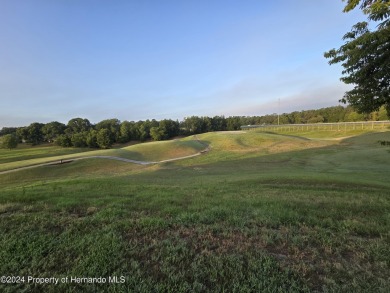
<point>233,123</point>
<point>365,58</point>
<point>144,128</point>
<point>34,133</point>
<point>218,123</point>
<point>9,141</point>
<point>79,140</point>
<point>63,140</point>
<point>125,131</point>
<point>168,128</point>
<point>103,138</point>
<point>52,130</point>
<point>8,130</point>
<point>22,134</point>
<point>193,125</point>
<point>113,127</point>
<point>76,125</point>
<point>156,133</point>
<point>91,139</point>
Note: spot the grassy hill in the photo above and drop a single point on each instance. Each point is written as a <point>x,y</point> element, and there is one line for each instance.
<point>259,212</point>
<point>150,152</point>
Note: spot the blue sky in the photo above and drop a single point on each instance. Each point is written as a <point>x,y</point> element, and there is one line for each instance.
<point>137,60</point>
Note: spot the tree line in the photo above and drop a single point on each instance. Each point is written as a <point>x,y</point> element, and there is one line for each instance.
<point>80,132</point>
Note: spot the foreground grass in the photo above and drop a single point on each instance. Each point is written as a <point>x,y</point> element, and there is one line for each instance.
<point>260,220</point>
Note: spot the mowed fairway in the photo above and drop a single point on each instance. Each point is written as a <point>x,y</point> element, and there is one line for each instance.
<point>258,212</point>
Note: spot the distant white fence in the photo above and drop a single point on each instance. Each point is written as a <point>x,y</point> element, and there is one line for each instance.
<point>340,126</point>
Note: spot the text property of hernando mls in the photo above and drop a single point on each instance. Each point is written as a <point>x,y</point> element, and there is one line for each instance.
<point>64,280</point>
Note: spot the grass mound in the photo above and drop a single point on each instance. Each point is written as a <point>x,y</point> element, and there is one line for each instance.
<point>149,152</point>
<point>259,142</point>
<point>162,150</point>
<point>233,146</point>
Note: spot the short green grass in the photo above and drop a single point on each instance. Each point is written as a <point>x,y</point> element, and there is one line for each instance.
<point>26,152</point>
<point>257,213</point>
<point>332,134</point>
<point>163,150</point>
<point>148,151</point>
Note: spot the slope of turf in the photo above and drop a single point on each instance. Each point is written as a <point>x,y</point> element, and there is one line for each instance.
<point>150,152</point>
<point>332,134</point>
<point>258,213</point>
<point>27,152</point>
<point>162,150</point>
<point>227,146</point>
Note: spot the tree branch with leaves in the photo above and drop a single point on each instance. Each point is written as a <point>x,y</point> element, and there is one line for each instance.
<point>365,58</point>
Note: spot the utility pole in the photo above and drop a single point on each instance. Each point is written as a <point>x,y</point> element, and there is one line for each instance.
<point>278,110</point>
